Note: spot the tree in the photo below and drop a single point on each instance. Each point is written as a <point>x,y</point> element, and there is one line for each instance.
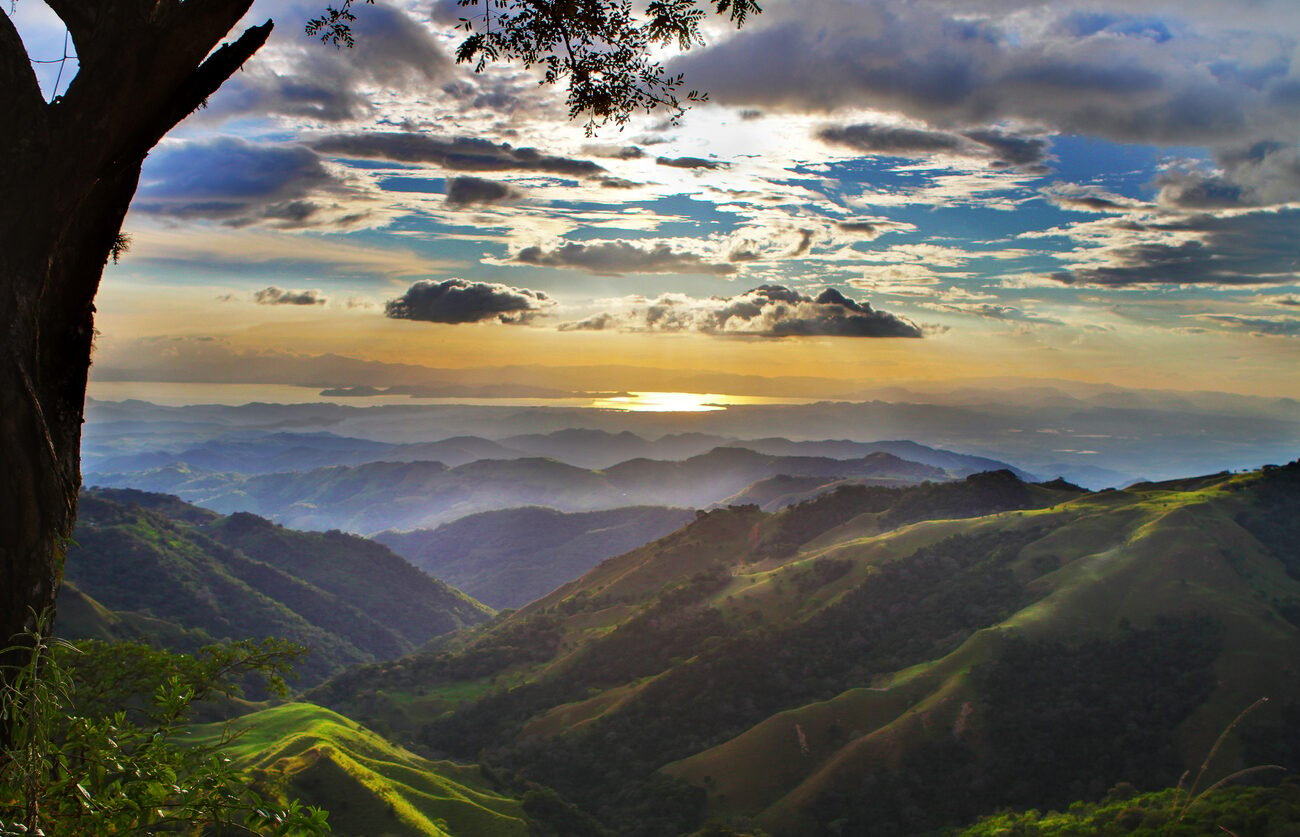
<point>69,168</point>
<point>97,744</point>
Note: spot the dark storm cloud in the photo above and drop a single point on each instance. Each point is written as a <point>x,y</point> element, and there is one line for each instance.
<point>690,163</point>
<point>458,154</point>
<point>1002,149</point>
<point>273,295</point>
<point>1259,248</point>
<point>459,301</point>
<point>239,183</point>
<point>613,258</point>
<point>932,63</point>
<point>475,191</point>
<point>766,311</point>
<point>393,52</point>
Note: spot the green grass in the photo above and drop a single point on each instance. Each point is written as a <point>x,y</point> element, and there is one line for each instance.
<point>370,786</point>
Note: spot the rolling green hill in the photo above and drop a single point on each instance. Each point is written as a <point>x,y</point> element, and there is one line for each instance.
<point>152,567</point>
<point>886,661</point>
<point>371,787</point>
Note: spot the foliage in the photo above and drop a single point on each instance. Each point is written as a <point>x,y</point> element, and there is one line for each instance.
<point>1256,811</point>
<point>600,48</point>
<point>1274,515</point>
<point>96,745</point>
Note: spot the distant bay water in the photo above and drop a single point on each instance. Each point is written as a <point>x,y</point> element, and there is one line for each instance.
<point>176,394</point>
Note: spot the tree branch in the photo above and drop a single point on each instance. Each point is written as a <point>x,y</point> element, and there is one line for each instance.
<point>201,84</point>
<point>80,16</point>
<point>20,93</point>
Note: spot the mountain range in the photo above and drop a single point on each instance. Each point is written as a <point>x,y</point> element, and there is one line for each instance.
<point>377,496</point>
<point>885,660</point>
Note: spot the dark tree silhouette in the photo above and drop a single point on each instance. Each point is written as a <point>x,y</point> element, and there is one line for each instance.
<point>69,168</point>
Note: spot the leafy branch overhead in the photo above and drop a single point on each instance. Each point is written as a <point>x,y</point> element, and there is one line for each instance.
<point>602,50</point>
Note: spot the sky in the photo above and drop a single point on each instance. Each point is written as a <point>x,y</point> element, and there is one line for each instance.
<point>877,191</point>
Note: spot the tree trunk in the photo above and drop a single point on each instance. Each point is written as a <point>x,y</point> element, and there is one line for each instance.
<point>68,171</point>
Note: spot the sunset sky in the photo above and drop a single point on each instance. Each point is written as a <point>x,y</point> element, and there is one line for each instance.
<point>1086,190</point>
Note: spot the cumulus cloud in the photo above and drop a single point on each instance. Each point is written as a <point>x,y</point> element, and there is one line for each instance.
<point>461,301</point>
<point>765,311</point>
<point>239,183</point>
<point>457,153</point>
<point>475,191</point>
<point>614,258</point>
<point>273,295</point>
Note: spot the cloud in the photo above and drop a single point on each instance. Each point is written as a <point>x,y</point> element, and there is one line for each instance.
<point>1263,174</point>
<point>766,311</point>
<point>1265,326</point>
<point>240,183</point>
<point>690,163</point>
<point>891,139</point>
<point>962,64</point>
<point>1256,248</point>
<point>991,311</point>
<point>290,253</point>
<point>614,258</point>
<point>1085,198</point>
<point>461,301</point>
<point>1001,149</point>
<point>297,77</point>
<point>871,228</point>
<point>472,191</point>
<point>457,154</point>
<point>273,295</point>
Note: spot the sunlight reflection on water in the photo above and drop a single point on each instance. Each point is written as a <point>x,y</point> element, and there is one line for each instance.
<point>179,394</point>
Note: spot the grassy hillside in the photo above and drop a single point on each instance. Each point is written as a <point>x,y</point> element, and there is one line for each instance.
<point>887,661</point>
<point>510,557</point>
<point>371,787</point>
<point>151,567</point>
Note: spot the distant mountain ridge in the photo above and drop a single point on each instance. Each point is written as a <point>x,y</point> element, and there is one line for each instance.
<point>376,496</point>
<point>508,558</point>
<point>250,452</point>
<point>151,566</point>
